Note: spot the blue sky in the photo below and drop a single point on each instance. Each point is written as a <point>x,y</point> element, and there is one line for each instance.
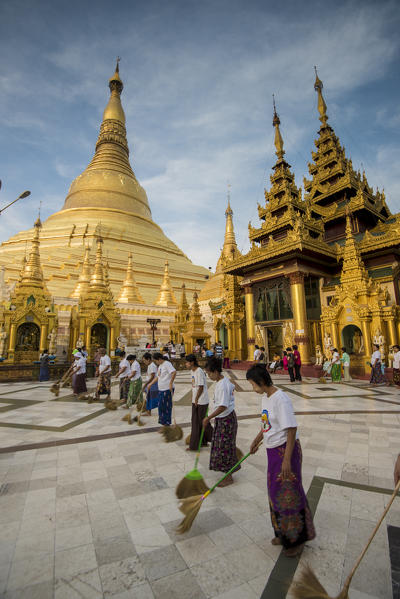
<point>198,79</point>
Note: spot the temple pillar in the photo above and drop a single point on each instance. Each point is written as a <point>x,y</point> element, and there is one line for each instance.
<point>88,338</point>
<point>366,331</point>
<point>298,296</point>
<point>13,337</point>
<point>112,340</point>
<point>44,331</point>
<point>250,324</point>
<point>391,331</point>
<point>335,336</point>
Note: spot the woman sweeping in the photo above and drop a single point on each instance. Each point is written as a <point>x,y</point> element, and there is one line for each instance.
<point>79,378</point>
<point>290,515</point>
<point>135,385</point>
<point>44,373</point>
<point>123,374</point>
<point>336,369</point>
<point>151,391</point>
<point>199,404</point>
<point>223,444</point>
<point>166,374</point>
<point>377,376</point>
<point>396,365</point>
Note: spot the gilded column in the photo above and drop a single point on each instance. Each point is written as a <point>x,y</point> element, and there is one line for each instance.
<point>88,338</point>
<point>13,337</point>
<point>250,324</point>
<point>335,336</point>
<point>392,331</point>
<point>112,340</point>
<point>366,331</point>
<point>301,338</point>
<point>44,331</point>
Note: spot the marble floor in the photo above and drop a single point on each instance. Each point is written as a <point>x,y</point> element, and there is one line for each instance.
<point>88,507</point>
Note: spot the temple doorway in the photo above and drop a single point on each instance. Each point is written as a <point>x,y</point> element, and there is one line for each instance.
<point>273,341</point>
<point>352,339</point>
<point>28,337</point>
<point>99,335</point>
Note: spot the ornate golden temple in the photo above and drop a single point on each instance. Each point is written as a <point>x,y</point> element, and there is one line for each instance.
<point>323,269</point>
<point>105,265</point>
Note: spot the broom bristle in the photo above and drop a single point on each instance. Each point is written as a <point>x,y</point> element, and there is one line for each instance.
<point>127,418</point>
<point>172,433</point>
<point>187,440</point>
<point>190,508</point>
<point>322,379</point>
<point>308,587</point>
<point>189,487</point>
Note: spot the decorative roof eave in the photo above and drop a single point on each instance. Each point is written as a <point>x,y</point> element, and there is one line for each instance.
<point>276,248</point>
<point>389,238</point>
<point>275,224</point>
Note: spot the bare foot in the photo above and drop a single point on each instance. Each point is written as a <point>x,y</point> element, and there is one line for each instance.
<point>276,541</point>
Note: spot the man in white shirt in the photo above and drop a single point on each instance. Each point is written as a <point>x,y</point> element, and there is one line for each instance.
<point>123,376</point>
<point>200,403</point>
<point>151,394</point>
<point>396,365</point>
<point>166,374</point>
<point>104,382</point>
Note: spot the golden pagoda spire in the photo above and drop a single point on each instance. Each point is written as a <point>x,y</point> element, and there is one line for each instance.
<point>229,249</point>
<point>129,292</point>
<point>278,137</point>
<point>32,274</point>
<point>166,295</point>
<point>318,86</point>
<point>97,280</point>
<point>354,272</point>
<point>83,284</point>
<point>183,304</point>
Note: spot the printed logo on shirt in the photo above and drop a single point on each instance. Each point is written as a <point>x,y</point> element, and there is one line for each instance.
<point>193,383</point>
<point>265,421</point>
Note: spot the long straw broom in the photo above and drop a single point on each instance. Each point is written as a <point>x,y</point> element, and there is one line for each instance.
<point>308,585</point>
<point>55,388</point>
<point>239,452</point>
<point>173,432</point>
<point>193,483</point>
<point>190,506</point>
<point>137,418</point>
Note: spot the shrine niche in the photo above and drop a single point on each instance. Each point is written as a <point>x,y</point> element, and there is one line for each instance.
<point>352,339</point>
<point>99,335</point>
<point>28,337</point>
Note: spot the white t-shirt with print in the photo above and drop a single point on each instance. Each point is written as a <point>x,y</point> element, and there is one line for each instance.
<point>164,373</point>
<point>396,360</point>
<point>257,354</point>
<point>135,370</point>
<point>223,396</point>
<point>276,417</point>
<point>105,364</point>
<point>124,364</point>
<point>151,369</point>
<point>199,380</point>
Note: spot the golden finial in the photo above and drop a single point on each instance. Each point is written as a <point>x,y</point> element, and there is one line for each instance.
<point>166,296</point>
<point>228,211</point>
<point>97,281</point>
<point>115,82</point>
<point>129,292</point>
<point>278,137</point>
<point>318,86</point>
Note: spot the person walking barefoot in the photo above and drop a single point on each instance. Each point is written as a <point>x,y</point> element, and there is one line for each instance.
<point>199,404</point>
<point>290,514</point>
<point>223,444</point>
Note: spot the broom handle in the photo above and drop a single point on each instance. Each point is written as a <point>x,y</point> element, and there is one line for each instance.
<point>196,462</point>
<point>229,472</point>
<point>364,551</point>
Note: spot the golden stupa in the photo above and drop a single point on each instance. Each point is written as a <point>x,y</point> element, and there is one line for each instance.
<point>107,201</point>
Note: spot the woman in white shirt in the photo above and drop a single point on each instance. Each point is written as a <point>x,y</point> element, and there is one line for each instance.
<point>123,376</point>
<point>150,390</point>
<point>376,367</point>
<point>166,374</point>
<point>290,514</point>
<point>199,404</point>
<point>79,370</point>
<point>223,444</point>
<point>104,382</point>
<point>135,385</point>
<point>396,365</point>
